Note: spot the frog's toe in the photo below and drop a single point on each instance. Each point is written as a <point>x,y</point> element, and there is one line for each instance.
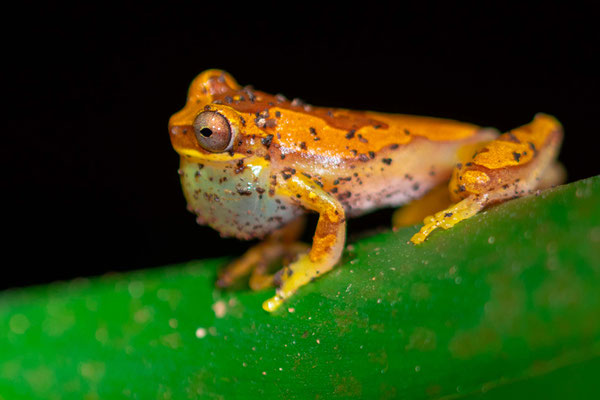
<point>261,279</point>
<point>449,217</point>
<point>272,304</point>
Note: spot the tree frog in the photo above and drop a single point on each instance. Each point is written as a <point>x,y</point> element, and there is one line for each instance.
<point>253,164</point>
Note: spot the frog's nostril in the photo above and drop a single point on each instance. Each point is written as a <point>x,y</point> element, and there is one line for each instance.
<point>206,132</point>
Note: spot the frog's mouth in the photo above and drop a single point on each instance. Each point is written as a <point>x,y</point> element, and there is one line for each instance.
<point>195,154</point>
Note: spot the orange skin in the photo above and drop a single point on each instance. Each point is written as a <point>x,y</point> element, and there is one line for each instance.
<point>284,158</point>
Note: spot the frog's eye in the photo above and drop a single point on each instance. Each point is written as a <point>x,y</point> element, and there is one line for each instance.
<point>212,131</point>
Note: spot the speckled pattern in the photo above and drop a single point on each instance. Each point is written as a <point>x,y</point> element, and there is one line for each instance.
<point>252,162</point>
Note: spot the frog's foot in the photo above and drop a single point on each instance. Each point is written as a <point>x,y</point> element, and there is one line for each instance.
<point>449,217</point>
<point>281,244</point>
<point>294,276</point>
<point>513,165</point>
<point>284,254</point>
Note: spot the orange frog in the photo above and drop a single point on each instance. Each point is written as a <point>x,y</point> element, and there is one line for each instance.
<point>252,164</point>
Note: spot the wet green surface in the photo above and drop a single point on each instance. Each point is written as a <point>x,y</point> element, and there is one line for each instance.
<point>506,304</point>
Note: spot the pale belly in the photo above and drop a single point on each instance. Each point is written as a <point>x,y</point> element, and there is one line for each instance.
<point>392,177</point>
<point>234,200</point>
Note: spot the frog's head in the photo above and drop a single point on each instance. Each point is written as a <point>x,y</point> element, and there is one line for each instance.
<point>224,140</point>
<point>213,124</point>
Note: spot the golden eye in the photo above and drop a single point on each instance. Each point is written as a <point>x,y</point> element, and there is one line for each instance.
<point>212,131</point>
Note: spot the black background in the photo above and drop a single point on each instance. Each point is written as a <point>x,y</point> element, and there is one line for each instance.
<point>90,176</point>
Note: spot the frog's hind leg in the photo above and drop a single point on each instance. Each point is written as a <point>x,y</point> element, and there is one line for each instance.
<point>281,244</point>
<point>513,165</point>
<point>436,199</point>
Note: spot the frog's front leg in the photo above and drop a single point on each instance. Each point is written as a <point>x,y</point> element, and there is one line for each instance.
<point>513,165</point>
<point>280,244</point>
<point>328,241</point>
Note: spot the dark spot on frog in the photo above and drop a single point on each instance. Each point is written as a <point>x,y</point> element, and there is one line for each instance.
<point>350,134</point>
<point>372,154</point>
<point>303,145</point>
<point>250,94</point>
<point>416,186</point>
<point>344,196</point>
<point>240,167</point>
<point>386,161</point>
<point>406,132</point>
<point>517,156</point>
<point>394,146</point>
<point>532,147</point>
<point>288,172</point>
<point>512,138</point>
<point>243,192</point>
<point>363,157</point>
<point>277,114</point>
<point>461,188</point>
<point>267,140</point>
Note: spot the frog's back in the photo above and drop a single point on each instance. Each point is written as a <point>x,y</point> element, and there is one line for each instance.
<point>296,127</point>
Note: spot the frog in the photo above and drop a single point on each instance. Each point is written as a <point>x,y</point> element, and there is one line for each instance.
<point>254,164</point>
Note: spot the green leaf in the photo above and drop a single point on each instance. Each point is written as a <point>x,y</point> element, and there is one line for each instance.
<point>506,304</point>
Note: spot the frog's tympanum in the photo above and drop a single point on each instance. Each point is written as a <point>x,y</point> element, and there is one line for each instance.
<point>253,164</point>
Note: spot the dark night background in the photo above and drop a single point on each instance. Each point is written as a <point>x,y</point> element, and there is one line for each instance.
<point>90,176</point>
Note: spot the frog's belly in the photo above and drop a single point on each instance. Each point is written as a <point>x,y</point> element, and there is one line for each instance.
<point>391,192</point>
<point>392,177</point>
<point>234,200</point>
